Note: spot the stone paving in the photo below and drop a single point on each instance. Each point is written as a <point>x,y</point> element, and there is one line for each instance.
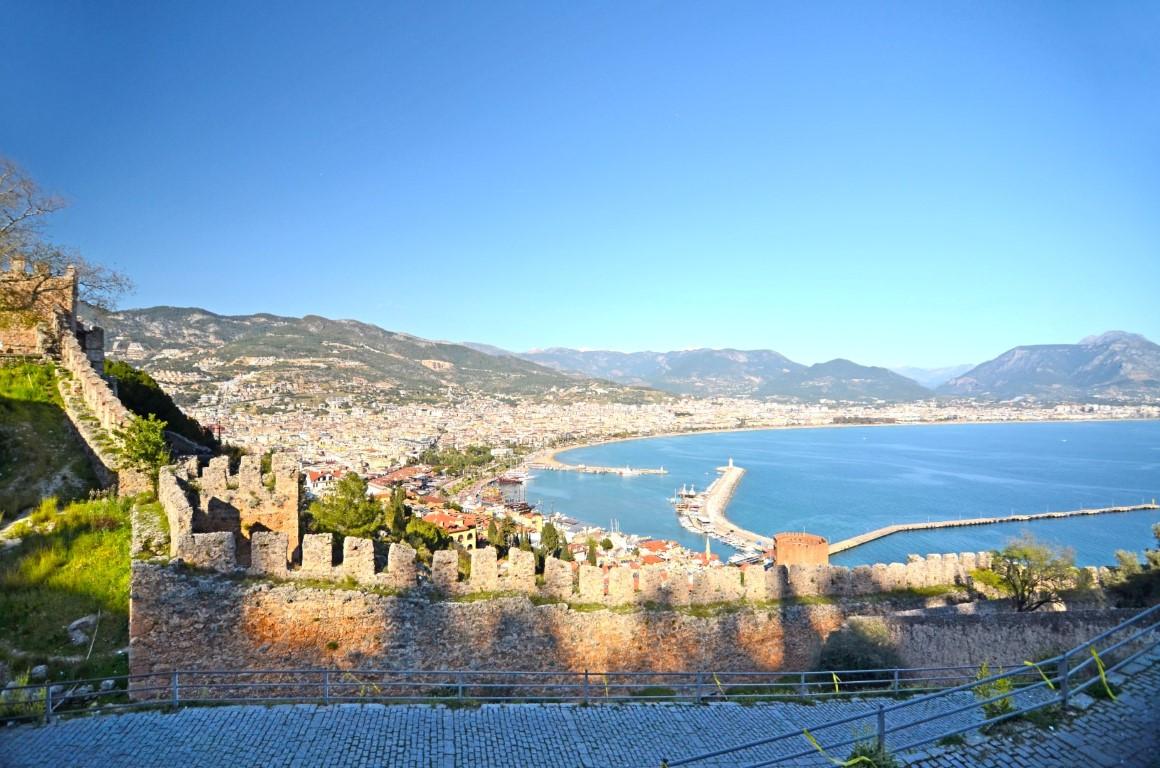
<point>1125,732</point>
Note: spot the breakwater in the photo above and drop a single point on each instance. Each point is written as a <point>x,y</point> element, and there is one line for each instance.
<point>705,513</point>
<point>879,533</point>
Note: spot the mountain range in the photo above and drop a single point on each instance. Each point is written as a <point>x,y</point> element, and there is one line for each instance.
<point>1113,366</point>
<point>734,373</point>
<point>195,350</point>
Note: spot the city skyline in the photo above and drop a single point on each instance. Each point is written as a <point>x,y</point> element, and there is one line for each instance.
<point>895,185</point>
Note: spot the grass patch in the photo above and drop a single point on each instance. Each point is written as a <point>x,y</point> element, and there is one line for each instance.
<point>69,564</point>
<point>40,454</point>
<point>991,579</point>
<point>954,740</point>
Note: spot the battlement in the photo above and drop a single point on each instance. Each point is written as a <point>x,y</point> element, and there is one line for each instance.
<point>240,504</point>
<point>662,584</point>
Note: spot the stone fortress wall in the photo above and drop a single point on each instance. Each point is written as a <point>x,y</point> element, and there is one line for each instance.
<point>233,516</point>
<point>237,524</point>
<point>38,319</point>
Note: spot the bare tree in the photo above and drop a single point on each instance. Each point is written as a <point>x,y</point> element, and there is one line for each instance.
<point>23,208</point>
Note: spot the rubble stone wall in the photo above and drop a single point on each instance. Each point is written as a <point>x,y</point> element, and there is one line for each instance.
<point>196,619</point>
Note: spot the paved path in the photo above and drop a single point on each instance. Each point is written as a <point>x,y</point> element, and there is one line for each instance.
<point>530,736</point>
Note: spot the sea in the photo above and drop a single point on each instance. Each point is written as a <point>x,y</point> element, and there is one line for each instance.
<point>842,481</point>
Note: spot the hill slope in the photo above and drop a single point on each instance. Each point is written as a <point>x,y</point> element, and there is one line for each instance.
<point>734,372</point>
<point>196,350</point>
<point>1114,366</point>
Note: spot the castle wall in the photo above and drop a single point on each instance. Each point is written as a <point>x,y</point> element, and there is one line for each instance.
<point>240,503</point>
<point>183,619</point>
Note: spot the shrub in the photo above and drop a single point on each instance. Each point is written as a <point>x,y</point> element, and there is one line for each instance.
<point>998,707</point>
<point>880,757</point>
<point>862,644</point>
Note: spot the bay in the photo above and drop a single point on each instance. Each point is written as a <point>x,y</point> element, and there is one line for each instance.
<point>839,482</point>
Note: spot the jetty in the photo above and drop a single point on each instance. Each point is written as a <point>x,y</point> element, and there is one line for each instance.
<point>704,513</point>
<point>878,533</point>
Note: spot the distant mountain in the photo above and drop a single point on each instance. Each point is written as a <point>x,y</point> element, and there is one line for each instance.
<point>1113,366</point>
<point>933,377</point>
<point>195,350</point>
<point>735,373</point>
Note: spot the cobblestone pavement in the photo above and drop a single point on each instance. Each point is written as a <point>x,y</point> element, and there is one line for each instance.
<point>1125,732</point>
<point>530,736</point>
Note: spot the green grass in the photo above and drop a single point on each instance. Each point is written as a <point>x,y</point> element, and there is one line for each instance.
<point>39,453</point>
<point>69,564</point>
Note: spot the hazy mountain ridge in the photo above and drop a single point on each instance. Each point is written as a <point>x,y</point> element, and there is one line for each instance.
<point>735,373</point>
<point>194,345</point>
<point>933,377</point>
<point>1114,366</point>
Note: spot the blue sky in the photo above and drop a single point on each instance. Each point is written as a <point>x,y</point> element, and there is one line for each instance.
<point>910,183</point>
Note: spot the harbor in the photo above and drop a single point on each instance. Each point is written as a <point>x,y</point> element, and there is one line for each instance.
<point>704,513</point>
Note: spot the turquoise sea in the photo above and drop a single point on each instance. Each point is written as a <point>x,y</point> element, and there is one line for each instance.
<point>838,482</point>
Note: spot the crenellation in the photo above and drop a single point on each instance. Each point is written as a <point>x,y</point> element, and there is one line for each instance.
<point>557,579</point>
<point>519,573</point>
<point>445,571</point>
<point>358,559</point>
<point>268,554</point>
<point>591,584</point>
<point>621,586</point>
<point>213,551</point>
<point>484,573</point>
<point>650,584</point>
<point>318,554</point>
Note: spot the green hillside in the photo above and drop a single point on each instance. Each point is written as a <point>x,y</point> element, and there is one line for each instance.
<point>40,455</point>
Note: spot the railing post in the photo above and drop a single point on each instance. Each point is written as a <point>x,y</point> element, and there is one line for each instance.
<point>1063,672</point>
<point>175,686</point>
<point>326,686</point>
<point>802,688</point>
<point>47,703</point>
<point>894,684</point>
<point>586,687</point>
<point>881,728</point>
<point>459,686</point>
<point>697,688</point>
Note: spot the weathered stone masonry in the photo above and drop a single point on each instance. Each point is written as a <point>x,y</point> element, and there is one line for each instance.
<point>183,619</point>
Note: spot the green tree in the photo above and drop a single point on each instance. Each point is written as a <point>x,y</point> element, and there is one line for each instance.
<point>549,540</point>
<point>606,543</point>
<point>397,512</point>
<point>492,532</point>
<point>1034,573</point>
<point>566,554</point>
<point>141,445</point>
<point>426,538</point>
<point>347,510</point>
<point>592,551</point>
<point>526,542</point>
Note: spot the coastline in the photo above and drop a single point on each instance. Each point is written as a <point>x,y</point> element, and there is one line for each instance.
<point>550,455</point>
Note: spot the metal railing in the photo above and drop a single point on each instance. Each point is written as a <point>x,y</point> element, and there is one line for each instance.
<point>1048,683</point>
<point>43,701</point>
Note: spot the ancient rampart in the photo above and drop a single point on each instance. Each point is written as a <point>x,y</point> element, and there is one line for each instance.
<point>223,520</point>
<point>183,619</point>
<point>233,513</point>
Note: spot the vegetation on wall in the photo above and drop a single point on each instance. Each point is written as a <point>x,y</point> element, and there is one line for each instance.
<point>142,395</point>
<point>40,455</point>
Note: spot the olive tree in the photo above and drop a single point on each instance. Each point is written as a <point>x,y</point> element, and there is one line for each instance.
<point>1033,572</point>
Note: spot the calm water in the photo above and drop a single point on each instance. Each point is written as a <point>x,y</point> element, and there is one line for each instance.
<point>840,482</point>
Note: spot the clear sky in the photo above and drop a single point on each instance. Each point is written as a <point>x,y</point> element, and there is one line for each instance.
<point>913,183</point>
